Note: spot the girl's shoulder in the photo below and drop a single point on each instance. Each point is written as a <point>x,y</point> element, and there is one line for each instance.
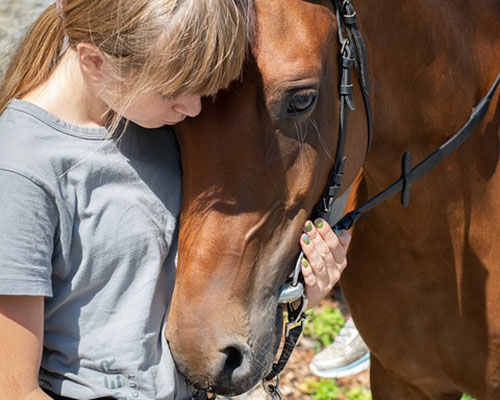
<point>67,160</point>
<point>27,117</point>
<point>41,147</point>
<point>47,149</point>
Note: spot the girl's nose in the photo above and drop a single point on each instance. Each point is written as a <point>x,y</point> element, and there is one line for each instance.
<point>189,105</point>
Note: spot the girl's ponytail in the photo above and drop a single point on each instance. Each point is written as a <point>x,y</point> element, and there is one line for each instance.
<point>35,58</point>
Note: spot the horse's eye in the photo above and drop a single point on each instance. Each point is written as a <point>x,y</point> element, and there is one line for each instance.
<point>301,101</point>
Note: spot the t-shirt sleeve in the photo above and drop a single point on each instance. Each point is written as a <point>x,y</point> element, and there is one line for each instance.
<point>28,221</point>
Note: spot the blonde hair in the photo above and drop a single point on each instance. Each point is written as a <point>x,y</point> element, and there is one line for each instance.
<point>173,47</point>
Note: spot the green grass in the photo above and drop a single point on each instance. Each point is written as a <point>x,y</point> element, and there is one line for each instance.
<point>322,325</point>
<point>357,393</point>
<point>327,389</point>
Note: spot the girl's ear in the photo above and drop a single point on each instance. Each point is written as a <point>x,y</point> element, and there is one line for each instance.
<point>91,62</point>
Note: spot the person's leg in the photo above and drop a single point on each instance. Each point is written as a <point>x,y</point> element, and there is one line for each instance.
<point>348,355</point>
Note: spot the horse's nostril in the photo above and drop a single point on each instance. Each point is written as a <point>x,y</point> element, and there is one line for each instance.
<point>234,359</point>
<point>234,367</point>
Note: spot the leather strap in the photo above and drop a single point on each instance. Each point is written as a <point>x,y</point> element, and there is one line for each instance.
<point>410,175</point>
<point>288,347</point>
<point>352,53</point>
<point>360,61</point>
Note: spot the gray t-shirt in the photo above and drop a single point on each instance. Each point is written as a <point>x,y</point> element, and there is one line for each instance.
<point>91,223</point>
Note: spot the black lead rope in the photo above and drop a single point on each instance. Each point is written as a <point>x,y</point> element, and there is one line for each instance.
<point>294,327</point>
<point>288,348</point>
<point>410,175</point>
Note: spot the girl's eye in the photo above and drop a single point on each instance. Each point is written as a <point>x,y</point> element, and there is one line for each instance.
<point>301,101</point>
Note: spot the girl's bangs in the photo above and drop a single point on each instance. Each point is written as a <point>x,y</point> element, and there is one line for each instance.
<point>201,53</point>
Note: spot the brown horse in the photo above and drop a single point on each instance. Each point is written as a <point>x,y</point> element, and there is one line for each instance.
<point>423,284</point>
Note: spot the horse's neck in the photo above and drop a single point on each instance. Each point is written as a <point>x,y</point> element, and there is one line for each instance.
<point>429,67</point>
<point>427,72</point>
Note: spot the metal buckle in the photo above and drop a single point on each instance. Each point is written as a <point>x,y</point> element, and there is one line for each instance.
<point>290,293</point>
<point>273,390</point>
<point>344,4</point>
<point>292,289</point>
<point>345,47</point>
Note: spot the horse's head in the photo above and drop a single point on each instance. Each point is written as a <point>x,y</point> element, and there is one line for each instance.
<point>255,163</point>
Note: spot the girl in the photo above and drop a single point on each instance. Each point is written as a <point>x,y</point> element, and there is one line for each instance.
<point>88,223</point>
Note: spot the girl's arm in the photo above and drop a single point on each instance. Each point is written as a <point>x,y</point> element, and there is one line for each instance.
<point>21,342</point>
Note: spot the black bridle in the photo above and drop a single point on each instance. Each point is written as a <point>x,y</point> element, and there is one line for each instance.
<point>353,52</point>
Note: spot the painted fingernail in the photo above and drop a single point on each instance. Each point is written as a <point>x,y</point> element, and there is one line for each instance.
<point>305,264</point>
<point>305,238</point>
<point>319,223</point>
<point>309,226</point>
<point>339,233</point>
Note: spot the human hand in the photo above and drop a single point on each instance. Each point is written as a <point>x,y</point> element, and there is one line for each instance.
<point>325,258</point>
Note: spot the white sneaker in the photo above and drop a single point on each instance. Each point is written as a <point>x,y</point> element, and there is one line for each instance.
<point>348,355</point>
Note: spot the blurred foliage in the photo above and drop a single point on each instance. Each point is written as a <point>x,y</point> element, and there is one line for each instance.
<point>320,389</point>
<point>322,325</point>
<point>358,393</point>
<point>327,389</point>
